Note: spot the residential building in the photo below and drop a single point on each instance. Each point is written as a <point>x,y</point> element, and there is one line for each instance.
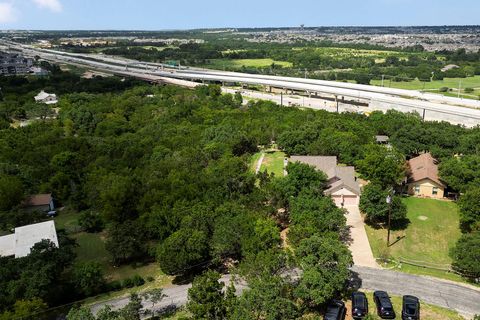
<point>14,64</point>
<point>47,98</point>
<point>39,202</point>
<point>20,243</point>
<point>343,186</point>
<point>423,180</point>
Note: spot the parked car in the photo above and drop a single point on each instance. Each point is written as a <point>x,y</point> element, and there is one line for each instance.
<point>384,305</point>
<point>335,311</point>
<point>359,305</point>
<point>410,308</point>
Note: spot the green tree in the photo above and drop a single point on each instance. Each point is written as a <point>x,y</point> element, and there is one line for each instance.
<point>11,192</point>
<point>82,313</point>
<point>469,204</point>
<point>461,173</point>
<point>25,309</point>
<point>91,222</point>
<point>269,298</point>
<point>154,296</point>
<point>206,299</point>
<point>325,263</point>
<point>125,241</point>
<point>466,255</point>
<point>184,249</point>
<point>373,203</point>
<point>88,278</point>
<point>382,165</point>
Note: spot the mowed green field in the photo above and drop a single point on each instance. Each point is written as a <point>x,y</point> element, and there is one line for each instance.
<point>273,163</point>
<point>239,63</point>
<point>434,86</point>
<point>433,230</point>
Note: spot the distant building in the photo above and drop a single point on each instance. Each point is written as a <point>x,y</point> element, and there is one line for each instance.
<point>449,67</point>
<point>382,139</point>
<point>14,64</point>
<point>20,243</point>
<point>39,72</point>
<point>423,177</point>
<point>47,98</point>
<point>39,202</point>
<point>342,182</point>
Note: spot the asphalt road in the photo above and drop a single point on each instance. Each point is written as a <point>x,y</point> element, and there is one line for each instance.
<point>447,294</point>
<point>462,298</point>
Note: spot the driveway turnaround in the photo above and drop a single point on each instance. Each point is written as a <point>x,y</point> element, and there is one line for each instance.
<point>360,247</point>
<point>462,298</point>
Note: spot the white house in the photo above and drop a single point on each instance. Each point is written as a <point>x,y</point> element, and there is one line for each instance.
<point>47,98</point>
<point>342,182</point>
<point>20,243</point>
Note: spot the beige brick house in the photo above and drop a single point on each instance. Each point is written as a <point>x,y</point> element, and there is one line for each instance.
<point>423,180</point>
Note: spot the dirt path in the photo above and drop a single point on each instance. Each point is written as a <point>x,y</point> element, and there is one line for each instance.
<point>259,163</point>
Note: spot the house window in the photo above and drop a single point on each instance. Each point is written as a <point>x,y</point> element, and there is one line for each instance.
<point>434,191</point>
<point>417,188</point>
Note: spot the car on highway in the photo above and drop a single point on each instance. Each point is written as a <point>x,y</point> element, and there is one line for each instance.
<point>384,305</point>
<point>410,308</point>
<point>359,305</point>
<point>335,311</point>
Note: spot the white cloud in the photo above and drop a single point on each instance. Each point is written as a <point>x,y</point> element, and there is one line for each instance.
<point>53,5</point>
<point>7,13</point>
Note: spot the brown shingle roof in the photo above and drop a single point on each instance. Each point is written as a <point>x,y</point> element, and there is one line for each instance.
<point>38,200</point>
<point>424,167</point>
<point>325,164</point>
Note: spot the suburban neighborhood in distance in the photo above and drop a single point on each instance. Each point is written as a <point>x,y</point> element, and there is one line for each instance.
<point>227,161</point>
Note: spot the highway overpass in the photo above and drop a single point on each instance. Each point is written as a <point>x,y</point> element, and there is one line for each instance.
<point>431,106</point>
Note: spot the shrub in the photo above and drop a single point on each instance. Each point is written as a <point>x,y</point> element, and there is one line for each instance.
<point>468,90</point>
<point>127,283</point>
<point>91,222</point>
<point>443,89</point>
<point>137,280</point>
<point>115,286</point>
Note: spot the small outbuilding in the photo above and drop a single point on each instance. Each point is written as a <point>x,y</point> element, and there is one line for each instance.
<point>423,179</point>
<point>39,202</point>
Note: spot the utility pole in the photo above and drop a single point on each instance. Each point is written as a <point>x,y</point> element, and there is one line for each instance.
<point>389,201</point>
<point>281,99</point>
<point>459,87</point>
<point>383,78</point>
<point>305,73</point>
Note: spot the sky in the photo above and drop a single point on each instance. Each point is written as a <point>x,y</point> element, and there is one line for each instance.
<point>191,14</point>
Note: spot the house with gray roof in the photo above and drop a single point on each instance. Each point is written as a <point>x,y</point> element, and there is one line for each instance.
<point>343,186</point>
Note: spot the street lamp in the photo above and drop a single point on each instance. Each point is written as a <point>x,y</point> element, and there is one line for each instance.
<point>389,202</point>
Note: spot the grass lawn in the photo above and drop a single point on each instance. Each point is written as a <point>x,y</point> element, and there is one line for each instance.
<point>453,83</point>
<point>273,163</point>
<point>432,231</point>
<point>238,63</point>
<point>427,312</point>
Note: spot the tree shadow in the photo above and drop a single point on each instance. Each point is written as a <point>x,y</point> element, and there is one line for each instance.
<point>354,283</point>
<point>397,240</point>
<point>400,224</point>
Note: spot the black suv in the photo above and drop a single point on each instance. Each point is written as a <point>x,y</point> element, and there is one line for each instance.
<point>384,305</point>
<point>410,308</point>
<point>359,305</point>
<point>335,311</point>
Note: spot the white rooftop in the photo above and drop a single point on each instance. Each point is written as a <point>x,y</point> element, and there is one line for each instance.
<point>21,242</point>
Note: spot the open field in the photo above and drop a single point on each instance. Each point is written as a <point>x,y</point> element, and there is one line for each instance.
<point>91,247</point>
<point>273,163</point>
<point>427,312</point>
<point>239,63</point>
<point>432,231</point>
<point>434,86</point>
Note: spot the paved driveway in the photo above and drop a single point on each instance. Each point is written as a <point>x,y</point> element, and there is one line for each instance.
<point>360,247</point>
